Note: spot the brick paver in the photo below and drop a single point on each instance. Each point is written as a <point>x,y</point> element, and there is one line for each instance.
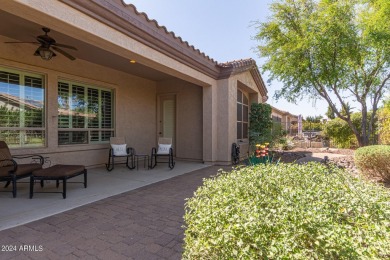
<point>145,223</point>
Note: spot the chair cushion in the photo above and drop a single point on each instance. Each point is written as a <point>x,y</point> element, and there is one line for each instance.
<point>23,169</point>
<point>119,149</point>
<point>59,170</point>
<point>5,155</point>
<point>163,148</point>
<point>5,171</point>
<point>27,168</point>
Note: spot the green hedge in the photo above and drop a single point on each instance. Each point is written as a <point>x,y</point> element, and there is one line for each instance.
<point>287,211</point>
<point>374,161</point>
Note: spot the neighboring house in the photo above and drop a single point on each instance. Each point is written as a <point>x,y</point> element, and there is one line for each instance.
<point>131,77</point>
<point>16,103</point>
<point>288,122</point>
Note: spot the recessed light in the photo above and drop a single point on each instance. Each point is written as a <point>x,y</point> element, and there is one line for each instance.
<point>132,61</point>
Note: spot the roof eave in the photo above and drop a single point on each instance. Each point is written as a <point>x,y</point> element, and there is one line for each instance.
<point>126,19</point>
<point>235,67</point>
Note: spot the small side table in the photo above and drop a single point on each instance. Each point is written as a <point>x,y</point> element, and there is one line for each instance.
<point>140,157</point>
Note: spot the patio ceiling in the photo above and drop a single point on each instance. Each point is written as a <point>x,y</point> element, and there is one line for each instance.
<point>19,29</point>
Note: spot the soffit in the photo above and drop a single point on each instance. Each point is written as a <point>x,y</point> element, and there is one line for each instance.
<point>19,29</point>
<point>126,19</point>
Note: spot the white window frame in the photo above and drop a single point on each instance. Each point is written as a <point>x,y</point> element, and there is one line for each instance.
<point>22,130</point>
<point>88,130</point>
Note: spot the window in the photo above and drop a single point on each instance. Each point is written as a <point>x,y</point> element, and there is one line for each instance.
<point>276,119</point>
<point>242,115</point>
<point>22,108</point>
<point>85,114</point>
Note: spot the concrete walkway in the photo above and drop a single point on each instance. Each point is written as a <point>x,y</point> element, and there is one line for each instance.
<point>145,223</point>
<point>101,184</point>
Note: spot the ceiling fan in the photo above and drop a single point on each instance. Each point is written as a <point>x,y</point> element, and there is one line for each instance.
<point>47,44</point>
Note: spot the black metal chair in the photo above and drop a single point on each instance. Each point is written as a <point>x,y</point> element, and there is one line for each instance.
<point>235,154</point>
<point>12,171</point>
<point>119,149</point>
<point>164,149</point>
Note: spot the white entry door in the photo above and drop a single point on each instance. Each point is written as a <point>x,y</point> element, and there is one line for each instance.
<point>167,117</point>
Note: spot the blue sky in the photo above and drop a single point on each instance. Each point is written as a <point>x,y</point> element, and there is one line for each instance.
<point>222,30</point>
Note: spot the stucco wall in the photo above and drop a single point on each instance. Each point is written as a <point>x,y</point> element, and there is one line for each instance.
<point>189,117</point>
<point>135,102</point>
<point>227,98</point>
<point>206,117</point>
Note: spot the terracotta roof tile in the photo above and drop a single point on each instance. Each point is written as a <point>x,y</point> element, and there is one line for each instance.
<point>163,28</point>
<point>238,66</point>
<point>238,63</point>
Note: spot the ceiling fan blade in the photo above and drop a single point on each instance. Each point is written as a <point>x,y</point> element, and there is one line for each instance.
<point>65,46</point>
<point>24,42</point>
<point>64,53</point>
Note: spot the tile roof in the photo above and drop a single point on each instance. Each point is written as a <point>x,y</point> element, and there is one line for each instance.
<point>242,65</point>
<point>282,112</point>
<point>165,30</point>
<point>238,63</point>
<point>137,25</point>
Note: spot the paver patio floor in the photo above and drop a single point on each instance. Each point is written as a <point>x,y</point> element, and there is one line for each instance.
<point>145,223</point>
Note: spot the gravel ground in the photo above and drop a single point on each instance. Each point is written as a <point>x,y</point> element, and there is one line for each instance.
<point>346,161</point>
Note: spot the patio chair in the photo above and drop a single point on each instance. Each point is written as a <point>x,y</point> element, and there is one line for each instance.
<point>164,150</point>
<point>12,171</point>
<point>119,149</point>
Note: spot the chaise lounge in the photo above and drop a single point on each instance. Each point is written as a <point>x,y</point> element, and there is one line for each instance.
<point>11,171</point>
<point>58,173</point>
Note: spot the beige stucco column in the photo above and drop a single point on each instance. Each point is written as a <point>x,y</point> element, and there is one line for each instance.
<point>227,119</point>
<point>52,112</point>
<point>209,124</point>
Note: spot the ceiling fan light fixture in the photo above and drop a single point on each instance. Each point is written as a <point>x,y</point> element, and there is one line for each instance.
<point>45,53</point>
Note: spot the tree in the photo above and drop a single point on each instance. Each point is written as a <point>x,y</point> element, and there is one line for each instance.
<point>330,114</point>
<point>312,123</point>
<point>384,123</point>
<point>331,50</point>
<point>339,131</point>
<point>347,109</point>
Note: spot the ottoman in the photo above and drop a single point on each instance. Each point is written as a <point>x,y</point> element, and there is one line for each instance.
<point>58,173</point>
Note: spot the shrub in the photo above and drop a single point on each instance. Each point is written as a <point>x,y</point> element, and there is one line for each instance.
<point>287,211</point>
<point>373,161</point>
<point>284,143</point>
<point>260,124</point>
<point>384,123</point>
<point>341,133</point>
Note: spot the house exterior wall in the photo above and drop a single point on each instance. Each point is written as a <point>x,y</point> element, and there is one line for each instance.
<point>134,97</point>
<point>227,113</point>
<point>63,18</point>
<point>210,111</point>
<point>206,104</point>
<point>189,117</point>
<point>287,119</point>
